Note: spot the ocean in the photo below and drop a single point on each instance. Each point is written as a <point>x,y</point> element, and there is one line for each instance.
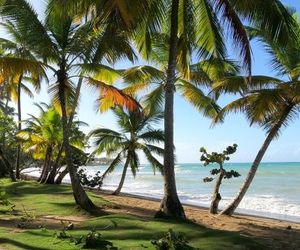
<point>274,193</point>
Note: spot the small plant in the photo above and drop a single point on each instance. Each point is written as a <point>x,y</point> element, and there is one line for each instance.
<point>220,173</point>
<point>172,241</point>
<point>3,199</point>
<point>90,181</point>
<point>27,218</point>
<point>92,240</point>
<point>95,240</point>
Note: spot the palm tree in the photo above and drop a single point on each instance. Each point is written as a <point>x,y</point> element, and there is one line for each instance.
<point>181,19</point>
<point>269,102</point>
<point>136,134</point>
<point>65,47</point>
<point>41,137</point>
<point>209,39</point>
<point>16,48</point>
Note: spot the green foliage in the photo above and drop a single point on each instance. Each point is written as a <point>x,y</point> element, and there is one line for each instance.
<point>95,240</point>
<point>219,158</point>
<point>172,241</point>
<point>136,134</point>
<point>8,142</point>
<point>92,240</point>
<point>4,199</point>
<point>126,231</point>
<point>27,218</point>
<point>90,181</point>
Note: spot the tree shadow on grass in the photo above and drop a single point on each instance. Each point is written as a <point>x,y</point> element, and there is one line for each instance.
<point>275,237</point>
<point>20,244</point>
<point>23,188</point>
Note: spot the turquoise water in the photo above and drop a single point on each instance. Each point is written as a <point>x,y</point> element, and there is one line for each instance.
<point>275,191</point>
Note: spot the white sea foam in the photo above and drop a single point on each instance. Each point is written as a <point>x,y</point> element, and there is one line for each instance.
<point>266,198</point>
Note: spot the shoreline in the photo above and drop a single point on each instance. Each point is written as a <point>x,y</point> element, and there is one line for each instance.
<point>273,233</point>
<point>254,214</point>
<point>125,194</point>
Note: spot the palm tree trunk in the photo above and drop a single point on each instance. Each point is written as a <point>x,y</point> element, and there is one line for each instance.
<point>44,166</point>
<point>47,165</point>
<point>79,193</point>
<point>272,134</point>
<point>118,190</point>
<point>61,176</point>
<point>170,205</point>
<point>53,172</point>
<point>216,195</point>
<point>19,128</point>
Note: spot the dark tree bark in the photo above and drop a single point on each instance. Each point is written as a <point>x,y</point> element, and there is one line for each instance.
<point>51,177</point>
<point>272,134</point>
<point>19,128</point>
<point>61,176</point>
<point>53,172</point>
<point>47,164</point>
<point>118,190</point>
<point>79,193</point>
<point>170,205</point>
<point>216,198</point>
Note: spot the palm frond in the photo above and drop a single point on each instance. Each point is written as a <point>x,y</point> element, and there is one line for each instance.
<point>239,35</point>
<point>113,95</point>
<point>198,99</point>
<point>153,136</point>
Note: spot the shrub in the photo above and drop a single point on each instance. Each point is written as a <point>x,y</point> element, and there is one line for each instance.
<point>172,241</point>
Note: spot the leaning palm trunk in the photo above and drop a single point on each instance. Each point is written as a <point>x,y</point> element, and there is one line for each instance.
<point>79,194</point>
<point>118,190</point>
<point>170,204</point>
<point>46,168</point>
<point>61,176</point>
<point>53,172</point>
<point>272,134</point>
<point>19,128</point>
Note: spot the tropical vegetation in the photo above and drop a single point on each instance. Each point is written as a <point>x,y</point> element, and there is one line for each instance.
<point>136,134</point>
<point>136,55</point>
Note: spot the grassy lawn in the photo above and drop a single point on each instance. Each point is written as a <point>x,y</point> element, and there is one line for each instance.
<point>124,231</point>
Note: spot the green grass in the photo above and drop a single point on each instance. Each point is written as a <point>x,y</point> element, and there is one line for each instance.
<point>125,231</point>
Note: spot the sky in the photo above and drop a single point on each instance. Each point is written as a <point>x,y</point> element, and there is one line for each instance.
<point>192,130</point>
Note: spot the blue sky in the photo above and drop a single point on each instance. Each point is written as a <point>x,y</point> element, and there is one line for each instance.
<point>192,130</point>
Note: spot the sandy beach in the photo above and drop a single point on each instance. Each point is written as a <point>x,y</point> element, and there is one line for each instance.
<point>276,234</point>
<point>273,233</point>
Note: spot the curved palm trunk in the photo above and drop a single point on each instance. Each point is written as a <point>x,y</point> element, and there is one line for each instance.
<point>53,172</point>
<point>216,194</point>
<point>170,204</point>
<point>47,165</point>
<point>19,128</point>
<point>79,193</point>
<point>118,190</point>
<point>272,134</point>
<point>51,178</point>
<point>44,166</point>
<point>61,176</point>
